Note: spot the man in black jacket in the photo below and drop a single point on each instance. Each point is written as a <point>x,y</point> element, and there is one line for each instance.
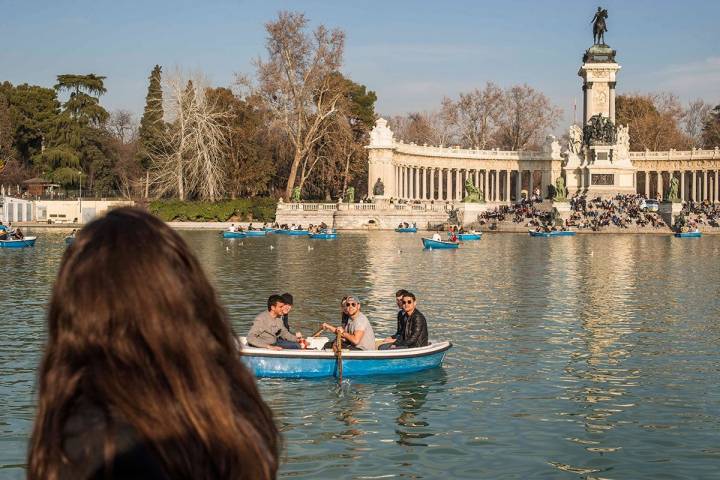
<point>412,328</point>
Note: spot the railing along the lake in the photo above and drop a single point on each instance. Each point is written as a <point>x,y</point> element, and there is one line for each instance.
<point>319,207</point>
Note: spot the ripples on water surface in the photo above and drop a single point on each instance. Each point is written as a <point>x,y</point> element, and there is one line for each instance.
<point>584,357</point>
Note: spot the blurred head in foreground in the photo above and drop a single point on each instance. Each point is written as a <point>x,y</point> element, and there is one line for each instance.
<point>141,367</point>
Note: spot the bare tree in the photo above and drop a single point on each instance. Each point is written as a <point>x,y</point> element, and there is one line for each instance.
<point>190,162</point>
<point>694,119</point>
<point>122,126</point>
<point>525,117</point>
<point>295,83</point>
<point>432,128</point>
<point>475,115</point>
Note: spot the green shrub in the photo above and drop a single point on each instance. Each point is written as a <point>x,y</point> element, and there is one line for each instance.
<point>243,209</point>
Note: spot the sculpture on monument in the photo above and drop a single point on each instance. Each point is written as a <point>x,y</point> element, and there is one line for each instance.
<point>474,194</point>
<point>575,139</point>
<point>379,188</point>
<point>672,195</point>
<point>599,131</point>
<point>599,26</point>
<point>560,190</point>
<point>295,195</point>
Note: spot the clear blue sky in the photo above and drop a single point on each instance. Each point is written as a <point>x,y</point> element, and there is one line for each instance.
<point>412,53</point>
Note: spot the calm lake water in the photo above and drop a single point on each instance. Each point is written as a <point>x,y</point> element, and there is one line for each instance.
<point>585,357</point>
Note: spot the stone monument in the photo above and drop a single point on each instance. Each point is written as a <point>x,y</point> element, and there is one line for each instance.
<point>380,164</point>
<point>597,155</point>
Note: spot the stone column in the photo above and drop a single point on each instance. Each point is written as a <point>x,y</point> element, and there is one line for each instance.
<point>485,185</point>
<point>612,101</point>
<point>448,185</point>
<point>477,177</point>
<point>693,187</point>
<point>647,184</point>
<point>423,183</point>
<point>658,184</point>
<point>416,187</point>
<point>507,186</point>
<point>717,190</point>
<point>705,185</point>
<point>518,185</point>
<point>432,184</point>
<point>682,185</point>
<point>496,192</point>
<point>440,183</point>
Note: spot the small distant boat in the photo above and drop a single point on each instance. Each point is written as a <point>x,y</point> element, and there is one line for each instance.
<point>431,244</point>
<point>554,233</point>
<point>24,243</point>
<point>234,234</point>
<point>323,363</point>
<point>69,240</point>
<point>255,233</point>
<point>406,229</point>
<point>696,234</point>
<point>324,235</point>
<point>469,236</point>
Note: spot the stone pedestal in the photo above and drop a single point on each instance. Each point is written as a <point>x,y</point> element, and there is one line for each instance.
<point>668,211</point>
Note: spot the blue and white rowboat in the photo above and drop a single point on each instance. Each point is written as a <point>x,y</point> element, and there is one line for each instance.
<point>234,235</point>
<point>688,234</point>
<point>406,230</point>
<point>431,244</point>
<point>323,363</point>
<point>326,235</point>
<point>255,233</point>
<point>469,236</point>
<point>270,230</point>
<point>554,233</point>
<point>25,242</point>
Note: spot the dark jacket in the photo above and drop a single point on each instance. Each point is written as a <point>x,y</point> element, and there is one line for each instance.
<point>400,324</point>
<point>414,332</point>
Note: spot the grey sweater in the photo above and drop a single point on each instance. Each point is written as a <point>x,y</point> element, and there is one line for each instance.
<point>266,329</point>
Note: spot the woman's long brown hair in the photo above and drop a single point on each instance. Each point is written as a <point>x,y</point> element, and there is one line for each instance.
<point>135,326</point>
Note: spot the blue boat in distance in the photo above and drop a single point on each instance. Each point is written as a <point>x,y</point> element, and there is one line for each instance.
<point>554,233</point>
<point>324,235</point>
<point>696,234</point>
<point>431,244</point>
<point>234,235</point>
<point>270,229</point>
<point>406,230</point>
<point>294,233</point>
<point>323,363</point>
<point>255,233</point>
<point>469,236</point>
<point>24,243</point>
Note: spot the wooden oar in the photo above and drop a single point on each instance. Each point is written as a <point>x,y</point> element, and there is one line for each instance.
<point>317,334</point>
<point>338,355</point>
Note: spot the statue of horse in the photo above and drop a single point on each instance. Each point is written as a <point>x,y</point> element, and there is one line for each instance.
<point>599,26</point>
<point>474,194</point>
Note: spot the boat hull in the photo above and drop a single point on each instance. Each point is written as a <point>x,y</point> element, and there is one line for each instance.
<point>552,234</point>
<point>294,233</point>
<point>406,230</point>
<point>255,233</point>
<point>24,243</point>
<point>317,363</point>
<point>234,235</point>
<point>469,236</point>
<point>431,244</point>
<point>324,236</point>
<point>688,234</point>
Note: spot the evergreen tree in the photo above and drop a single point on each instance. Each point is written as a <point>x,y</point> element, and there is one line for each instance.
<point>7,151</point>
<point>151,125</point>
<point>711,130</point>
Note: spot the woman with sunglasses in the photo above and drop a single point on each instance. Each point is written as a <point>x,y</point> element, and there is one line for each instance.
<point>358,332</point>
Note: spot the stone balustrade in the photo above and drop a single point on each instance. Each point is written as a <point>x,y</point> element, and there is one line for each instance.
<point>676,155</point>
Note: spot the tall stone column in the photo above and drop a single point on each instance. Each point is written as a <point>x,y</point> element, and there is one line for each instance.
<point>448,179</point>
<point>612,101</point>
<point>647,184</point>
<point>518,185</point>
<point>440,183</point>
<point>682,185</point>
<point>458,185</point>
<point>717,189</point>
<point>486,193</point>
<point>705,185</point>
<point>507,186</point>
<point>405,182</point>
<point>423,183</point>
<point>432,184</point>
<point>477,178</point>
<point>496,193</point>
<point>658,184</point>
<point>416,191</point>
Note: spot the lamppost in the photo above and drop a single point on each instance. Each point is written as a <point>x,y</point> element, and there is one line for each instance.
<point>80,174</point>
